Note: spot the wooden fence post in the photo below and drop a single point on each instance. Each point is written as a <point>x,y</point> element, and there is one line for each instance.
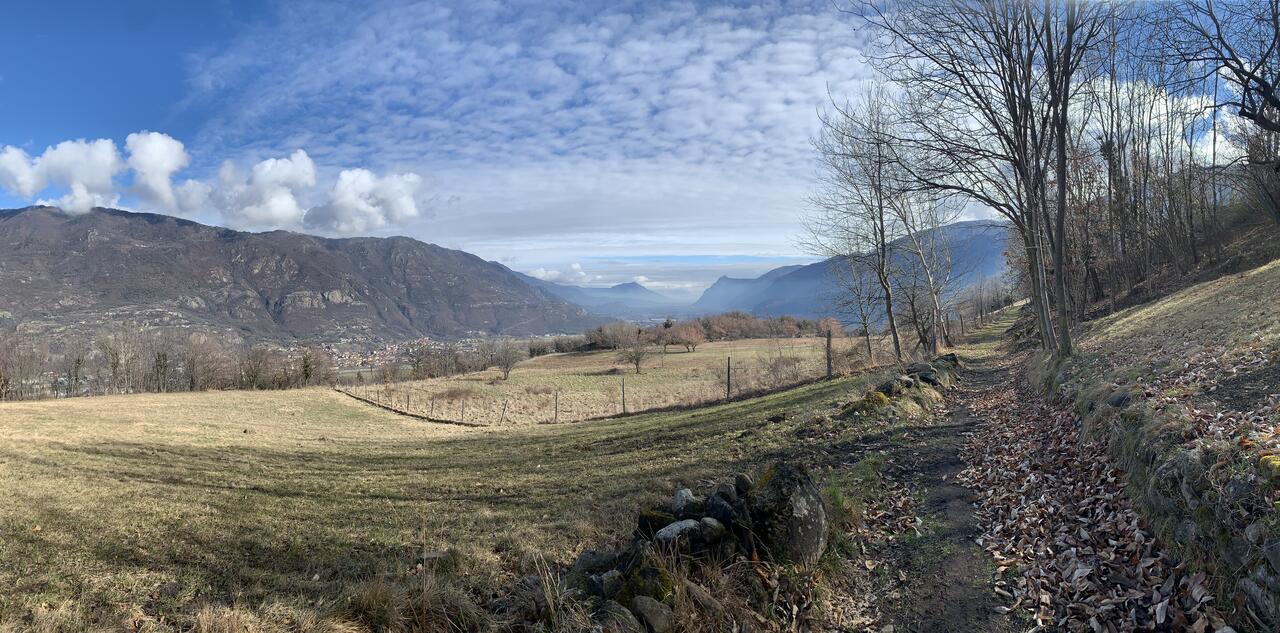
<point>828,354</point>
<point>728,377</point>
<point>624,395</point>
<point>557,418</point>
<point>503,417</point>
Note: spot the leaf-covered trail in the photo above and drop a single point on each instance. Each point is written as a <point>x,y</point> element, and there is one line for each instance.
<point>1001,477</point>
<point>937,578</point>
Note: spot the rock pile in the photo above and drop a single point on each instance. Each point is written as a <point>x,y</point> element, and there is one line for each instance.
<point>779,517</point>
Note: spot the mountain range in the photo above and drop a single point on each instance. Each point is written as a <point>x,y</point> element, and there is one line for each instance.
<point>976,250</point>
<point>78,273</point>
<point>63,273</point>
<point>622,301</point>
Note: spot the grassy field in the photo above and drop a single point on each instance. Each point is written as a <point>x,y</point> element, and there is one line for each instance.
<point>271,510</point>
<point>590,384</point>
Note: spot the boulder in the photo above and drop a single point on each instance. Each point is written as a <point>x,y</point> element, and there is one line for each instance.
<point>720,509</point>
<point>645,578</point>
<point>605,585</point>
<point>618,619</point>
<point>728,491</point>
<point>743,483</point>
<point>920,368</point>
<point>684,504</point>
<point>675,532</point>
<point>712,530</point>
<point>655,615</point>
<point>789,515</point>
<point>895,386</point>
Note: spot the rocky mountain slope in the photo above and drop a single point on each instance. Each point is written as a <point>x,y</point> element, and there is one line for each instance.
<point>79,273</point>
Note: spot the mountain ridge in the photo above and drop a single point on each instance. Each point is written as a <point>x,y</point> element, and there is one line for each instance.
<point>69,272</point>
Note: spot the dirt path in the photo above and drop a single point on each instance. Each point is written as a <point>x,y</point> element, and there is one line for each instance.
<point>939,580</point>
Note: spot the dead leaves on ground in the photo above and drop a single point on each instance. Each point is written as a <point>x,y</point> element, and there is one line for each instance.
<point>1071,549</point>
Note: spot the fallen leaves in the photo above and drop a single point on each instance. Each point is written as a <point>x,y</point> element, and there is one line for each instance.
<point>1057,521</point>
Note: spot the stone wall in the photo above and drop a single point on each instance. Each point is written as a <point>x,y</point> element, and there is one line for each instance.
<point>1205,498</point>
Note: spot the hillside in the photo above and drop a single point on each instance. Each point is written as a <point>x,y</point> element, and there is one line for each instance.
<point>78,272</point>
<point>976,249</point>
<point>629,300</point>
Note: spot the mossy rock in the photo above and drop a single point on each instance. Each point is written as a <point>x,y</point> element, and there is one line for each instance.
<point>1270,465</point>
<point>647,579</point>
<point>870,403</point>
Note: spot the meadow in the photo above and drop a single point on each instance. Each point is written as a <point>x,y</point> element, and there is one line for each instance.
<point>588,385</point>
<point>268,510</point>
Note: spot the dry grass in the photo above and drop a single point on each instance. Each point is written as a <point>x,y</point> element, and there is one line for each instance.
<point>590,383</point>
<point>309,511</point>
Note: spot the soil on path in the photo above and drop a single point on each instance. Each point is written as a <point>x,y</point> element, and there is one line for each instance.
<point>939,580</point>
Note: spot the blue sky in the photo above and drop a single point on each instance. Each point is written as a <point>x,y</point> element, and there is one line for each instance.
<point>587,142</point>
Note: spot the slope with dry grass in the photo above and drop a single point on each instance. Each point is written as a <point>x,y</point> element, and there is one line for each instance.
<point>272,510</point>
<point>1185,393</point>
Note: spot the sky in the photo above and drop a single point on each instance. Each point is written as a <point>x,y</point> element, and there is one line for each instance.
<point>590,143</point>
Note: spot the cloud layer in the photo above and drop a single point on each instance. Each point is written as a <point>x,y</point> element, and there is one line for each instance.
<point>269,195</point>
<point>544,131</point>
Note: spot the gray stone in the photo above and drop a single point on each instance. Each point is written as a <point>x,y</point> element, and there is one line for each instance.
<point>618,619</point>
<point>655,615</point>
<point>920,368</point>
<point>720,509</point>
<point>610,583</point>
<point>929,378</point>
<point>789,515</point>
<point>1256,532</point>
<point>728,491</point>
<point>743,483</point>
<point>685,504</point>
<point>1119,400</point>
<point>712,530</point>
<point>591,561</point>
<point>676,531</point>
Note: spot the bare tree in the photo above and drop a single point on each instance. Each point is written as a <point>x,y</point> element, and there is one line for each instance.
<point>853,216</point>
<point>634,348</point>
<point>858,297</point>
<point>507,354</point>
<point>690,334</point>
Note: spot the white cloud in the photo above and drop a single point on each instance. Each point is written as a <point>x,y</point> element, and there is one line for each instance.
<point>362,201</point>
<point>17,174</point>
<point>268,196</point>
<point>573,275</point>
<point>534,107</point>
<point>83,169</point>
<point>154,157</point>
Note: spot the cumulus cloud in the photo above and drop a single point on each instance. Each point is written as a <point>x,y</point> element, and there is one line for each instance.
<point>154,158</point>
<point>362,201</point>
<point>83,169</point>
<point>572,275</point>
<point>17,173</point>
<point>268,194</point>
